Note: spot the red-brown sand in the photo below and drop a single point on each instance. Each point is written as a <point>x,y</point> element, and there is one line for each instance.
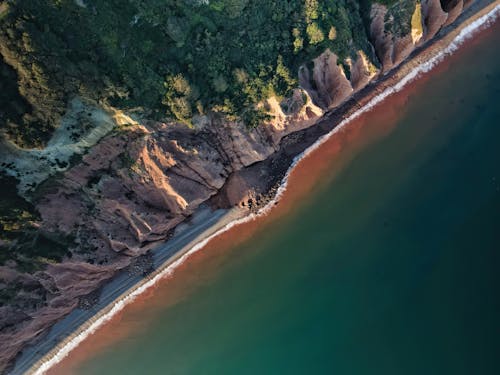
<point>313,172</point>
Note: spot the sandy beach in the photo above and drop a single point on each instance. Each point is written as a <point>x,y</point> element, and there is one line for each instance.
<point>217,232</point>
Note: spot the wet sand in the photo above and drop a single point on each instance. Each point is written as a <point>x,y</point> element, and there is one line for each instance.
<point>311,174</point>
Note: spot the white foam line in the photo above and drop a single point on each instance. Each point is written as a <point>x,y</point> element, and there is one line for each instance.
<point>465,34</point>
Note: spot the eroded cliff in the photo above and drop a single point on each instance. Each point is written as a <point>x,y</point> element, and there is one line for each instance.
<point>120,184</point>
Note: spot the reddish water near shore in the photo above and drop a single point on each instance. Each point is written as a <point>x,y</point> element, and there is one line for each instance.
<point>313,171</point>
<point>313,174</point>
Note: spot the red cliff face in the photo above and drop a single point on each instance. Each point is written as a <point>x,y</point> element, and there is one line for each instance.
<point>382,41</point>
<point>332,86</point>
<point>429,17</point>
<point>125,194</point>
<point>392,49</point>
<point>328,85</point>
<point>433,17</point>
<point>136,183</point>
<point>454,11</point>
<point>361,74</point>
<point>402,49</point>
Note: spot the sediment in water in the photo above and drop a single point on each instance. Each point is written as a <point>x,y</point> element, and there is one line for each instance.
<point>361,103</point>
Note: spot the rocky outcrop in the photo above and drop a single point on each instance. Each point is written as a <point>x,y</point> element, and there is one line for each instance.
<point>362,71</point>
<point>402,49</point>
<point>433,17</point>
<point>382,41</point>
<point>390,46</point>
<point>429,16</point>
<point>125,194</point>
<point>75,279</point>
<point>454,11</point>
<point>135,185</point>
<point>61,285</point>
<point>328,85</point>
<point>290,115</point>
<point>132,181</point>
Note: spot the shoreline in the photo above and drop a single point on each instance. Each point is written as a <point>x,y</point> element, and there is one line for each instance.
<point>311,176</point>
<point>418,64</point>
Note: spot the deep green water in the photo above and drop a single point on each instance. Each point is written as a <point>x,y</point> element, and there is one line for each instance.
<point>393,267</point>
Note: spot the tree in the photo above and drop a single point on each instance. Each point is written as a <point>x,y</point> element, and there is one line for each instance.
<point>332,34</point>
<point>315,33</point>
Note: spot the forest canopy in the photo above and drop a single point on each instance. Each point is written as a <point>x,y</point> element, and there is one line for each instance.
<point>175,58</point>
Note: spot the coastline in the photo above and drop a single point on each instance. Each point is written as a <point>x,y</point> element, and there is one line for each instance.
<point>423,61</point>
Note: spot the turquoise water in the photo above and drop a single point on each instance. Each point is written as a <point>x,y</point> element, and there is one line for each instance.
<point>392,267</point>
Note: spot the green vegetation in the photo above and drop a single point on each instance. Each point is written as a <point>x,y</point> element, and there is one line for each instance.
<point>172,58</point>
<point>399,16</point>
<point>20,239</point>
<point>387,3</point>
<point>177,58</point>
<point>16,117</point>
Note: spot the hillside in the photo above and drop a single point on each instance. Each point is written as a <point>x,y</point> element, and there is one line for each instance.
<point>120,118</point>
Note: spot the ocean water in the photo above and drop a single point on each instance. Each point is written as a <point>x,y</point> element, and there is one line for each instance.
<point>392,266</point>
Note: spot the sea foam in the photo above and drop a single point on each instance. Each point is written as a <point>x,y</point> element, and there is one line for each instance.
<point>101,318</point>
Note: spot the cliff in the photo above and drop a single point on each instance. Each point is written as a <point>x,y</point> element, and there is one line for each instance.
<point>117,182</point>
